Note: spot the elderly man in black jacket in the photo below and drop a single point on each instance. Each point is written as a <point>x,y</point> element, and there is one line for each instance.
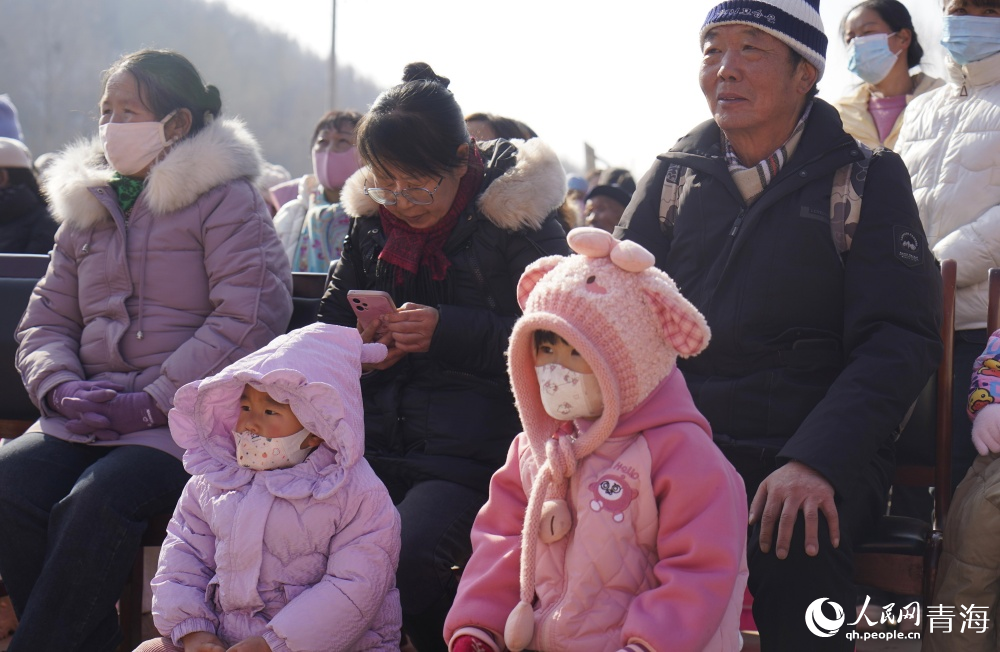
<point>824,318</point>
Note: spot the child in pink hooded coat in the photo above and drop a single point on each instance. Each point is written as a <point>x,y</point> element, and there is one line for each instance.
<point>301,556</point>
<point>616,523</point>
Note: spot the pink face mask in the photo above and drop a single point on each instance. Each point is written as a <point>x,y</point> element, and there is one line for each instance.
<point>333,168</point>
<point>131,146</point>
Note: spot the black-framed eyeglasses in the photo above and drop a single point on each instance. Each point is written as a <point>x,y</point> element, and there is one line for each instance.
<point>387,197</point>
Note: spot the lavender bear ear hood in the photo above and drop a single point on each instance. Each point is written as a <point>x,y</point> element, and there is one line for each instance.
<point>316,370</point>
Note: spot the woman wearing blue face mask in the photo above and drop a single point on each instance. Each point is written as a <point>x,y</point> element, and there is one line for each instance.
<point>950,143</point>
<point>882,48</point>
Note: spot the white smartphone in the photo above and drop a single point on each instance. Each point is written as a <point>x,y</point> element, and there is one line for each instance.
<point>369,305</point>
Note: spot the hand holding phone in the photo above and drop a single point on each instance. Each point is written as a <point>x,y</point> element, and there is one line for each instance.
<point>370,305</point>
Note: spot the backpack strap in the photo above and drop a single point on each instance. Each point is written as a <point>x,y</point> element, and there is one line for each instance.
<point>670,198</point>
<point>845,199</point>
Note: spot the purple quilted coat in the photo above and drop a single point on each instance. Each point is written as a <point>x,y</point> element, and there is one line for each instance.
<point>305,556</point>
<point>193,280</point>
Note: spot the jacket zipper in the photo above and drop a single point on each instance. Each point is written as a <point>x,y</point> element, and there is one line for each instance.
<point>737,222</point>
<point>477,272</point>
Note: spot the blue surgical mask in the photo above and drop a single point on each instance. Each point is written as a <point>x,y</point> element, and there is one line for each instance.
<point>970,38</point>
<point>870,58</point>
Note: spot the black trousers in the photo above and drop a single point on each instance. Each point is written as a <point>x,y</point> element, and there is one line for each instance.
<point>783,589</point>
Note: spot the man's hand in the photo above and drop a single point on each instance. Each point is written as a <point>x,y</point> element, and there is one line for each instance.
<point>252,644</point>
<point>202,642</point>
<point>782,495</point>
<point>412,327</point>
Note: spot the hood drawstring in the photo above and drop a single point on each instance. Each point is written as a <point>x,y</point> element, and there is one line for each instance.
<point>548,494</point>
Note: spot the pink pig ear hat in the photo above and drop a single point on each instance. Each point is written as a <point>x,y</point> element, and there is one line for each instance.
<point>627,319</point>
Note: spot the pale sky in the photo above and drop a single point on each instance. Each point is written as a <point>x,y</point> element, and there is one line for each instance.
<point>620,75</point>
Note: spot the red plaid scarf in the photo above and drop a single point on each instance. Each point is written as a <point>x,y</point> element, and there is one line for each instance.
<point>408,249</point>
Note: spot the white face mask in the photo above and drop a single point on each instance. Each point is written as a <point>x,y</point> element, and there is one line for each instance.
<point>263,454</point>
<point>870,58</point>
<point>567,394</point>
<point>131,146</point>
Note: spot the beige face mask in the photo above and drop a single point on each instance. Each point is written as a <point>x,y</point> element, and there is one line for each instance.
<point>131,146</point>
<point>567,394</point>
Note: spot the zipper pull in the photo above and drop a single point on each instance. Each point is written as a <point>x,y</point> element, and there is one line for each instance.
<point>964,92</point>
<point>737,223</point>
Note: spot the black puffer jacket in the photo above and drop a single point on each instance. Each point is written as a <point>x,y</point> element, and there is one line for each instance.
<point>818,355</point>
<point>449,413</point>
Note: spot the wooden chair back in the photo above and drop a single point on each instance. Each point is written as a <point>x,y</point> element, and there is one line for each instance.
<point>902,556</point>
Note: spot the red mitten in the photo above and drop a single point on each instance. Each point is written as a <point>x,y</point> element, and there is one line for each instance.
<point>468,643</point>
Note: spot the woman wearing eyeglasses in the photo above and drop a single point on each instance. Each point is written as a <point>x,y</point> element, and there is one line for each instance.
<point>446,226</point>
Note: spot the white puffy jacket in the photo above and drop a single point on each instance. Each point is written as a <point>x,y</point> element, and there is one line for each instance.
<point>950,141</point>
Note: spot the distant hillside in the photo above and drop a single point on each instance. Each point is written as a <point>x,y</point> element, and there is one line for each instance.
<point>54,51</point>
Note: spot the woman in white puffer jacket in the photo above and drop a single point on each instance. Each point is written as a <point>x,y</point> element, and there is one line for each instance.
<point>950,143</point>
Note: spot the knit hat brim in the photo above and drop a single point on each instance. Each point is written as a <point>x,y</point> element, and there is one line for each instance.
<point>796,23</point>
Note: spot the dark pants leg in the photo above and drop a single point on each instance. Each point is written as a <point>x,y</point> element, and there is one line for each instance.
<point>73,518</point>
<point>783,589</point>
<point>436,519</point>
<point>969,345</point>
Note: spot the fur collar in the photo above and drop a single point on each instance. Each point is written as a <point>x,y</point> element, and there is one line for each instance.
<point>528,190</point>
<point>223,151</point>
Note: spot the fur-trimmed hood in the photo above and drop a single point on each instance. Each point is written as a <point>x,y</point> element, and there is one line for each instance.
<point>524,183</point>
<point>223,151</point>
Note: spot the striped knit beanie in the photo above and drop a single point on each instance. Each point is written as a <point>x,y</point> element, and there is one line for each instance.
<point>796,23</point>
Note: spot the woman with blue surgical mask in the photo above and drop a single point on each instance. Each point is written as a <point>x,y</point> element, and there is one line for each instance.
<point>882,48</point>
<point>950,144</point>
<point>952,150</point>
<point>970,32</point>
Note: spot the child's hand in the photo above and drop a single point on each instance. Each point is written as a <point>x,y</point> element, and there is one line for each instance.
<point>252,644</point>
<point>377,333</point>
<point>202,642</point>
<point>986,430</point>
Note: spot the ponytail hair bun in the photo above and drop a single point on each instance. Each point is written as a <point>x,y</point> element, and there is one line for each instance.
<point>420,71</point>
<point>213,101</point>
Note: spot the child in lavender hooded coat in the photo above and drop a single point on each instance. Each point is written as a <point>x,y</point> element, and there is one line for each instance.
<point>302,557</point>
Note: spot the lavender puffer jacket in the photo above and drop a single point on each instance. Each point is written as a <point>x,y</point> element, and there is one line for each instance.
<point>306,556</point>
<point>195,279</point>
